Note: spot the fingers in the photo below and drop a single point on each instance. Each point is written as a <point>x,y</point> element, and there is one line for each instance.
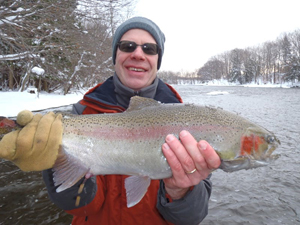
<point>8,145</point>
<point>182,150</point>
<point>190,145</point>
<point>209,154</point>
<point>186,155</point>
<point>42,131</point>
<point>26,136</point>
<point>24,117</point>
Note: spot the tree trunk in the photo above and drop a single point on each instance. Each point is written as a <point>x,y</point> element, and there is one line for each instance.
<point>45,86</point>
<point>11,76</point>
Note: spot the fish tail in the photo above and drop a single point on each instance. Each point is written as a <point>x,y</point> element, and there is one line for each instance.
<point>68,170</point>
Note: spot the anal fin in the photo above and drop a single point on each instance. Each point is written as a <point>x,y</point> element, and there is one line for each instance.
<point>136,188</point>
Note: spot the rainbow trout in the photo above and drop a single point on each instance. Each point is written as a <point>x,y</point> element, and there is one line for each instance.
<point>130,143</point>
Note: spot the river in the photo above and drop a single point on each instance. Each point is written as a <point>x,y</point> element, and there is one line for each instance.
<point>267,195</point>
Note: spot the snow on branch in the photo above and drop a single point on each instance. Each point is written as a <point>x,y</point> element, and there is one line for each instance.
<point>18,56</point>
<point>38,71</point>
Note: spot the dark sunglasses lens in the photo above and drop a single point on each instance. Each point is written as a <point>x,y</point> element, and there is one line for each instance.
<point>150,49</point>
<point>127,46</point>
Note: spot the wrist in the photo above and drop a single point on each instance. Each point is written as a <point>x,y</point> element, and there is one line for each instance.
<point>175,194</point>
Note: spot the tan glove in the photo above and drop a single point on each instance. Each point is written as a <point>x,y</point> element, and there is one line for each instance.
<point>34,147</point>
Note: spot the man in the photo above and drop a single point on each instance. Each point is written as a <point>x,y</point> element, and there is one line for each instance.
<point>138,47</point>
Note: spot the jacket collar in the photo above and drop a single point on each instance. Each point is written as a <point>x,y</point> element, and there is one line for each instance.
<point>123,93</point>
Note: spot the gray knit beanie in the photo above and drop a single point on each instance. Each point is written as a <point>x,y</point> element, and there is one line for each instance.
<point>144,24</point>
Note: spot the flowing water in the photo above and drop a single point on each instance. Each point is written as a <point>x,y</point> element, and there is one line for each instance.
<point>267,195</point>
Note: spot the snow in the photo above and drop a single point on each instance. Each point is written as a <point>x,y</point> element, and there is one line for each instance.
<point>16,56</point>
<point>38,71</point>
<point>11,103</point>
<point>218,93</point>
<point>10,17</point>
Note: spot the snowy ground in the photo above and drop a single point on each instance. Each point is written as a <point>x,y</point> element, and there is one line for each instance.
<point>13,102</point>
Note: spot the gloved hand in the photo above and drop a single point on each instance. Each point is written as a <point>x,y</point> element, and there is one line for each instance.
<point>34,147</point>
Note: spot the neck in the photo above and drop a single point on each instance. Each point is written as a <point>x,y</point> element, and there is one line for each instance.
<point>124,93</point>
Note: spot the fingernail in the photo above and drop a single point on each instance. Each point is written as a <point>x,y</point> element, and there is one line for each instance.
<point>165,146</point>
<point>183,133</point>
<point>203,145</point>
<point>170,138</point>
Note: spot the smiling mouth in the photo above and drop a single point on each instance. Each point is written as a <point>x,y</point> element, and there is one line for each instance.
<point>136,69</point>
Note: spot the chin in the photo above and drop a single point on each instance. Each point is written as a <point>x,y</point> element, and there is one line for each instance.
<point>136,84</point>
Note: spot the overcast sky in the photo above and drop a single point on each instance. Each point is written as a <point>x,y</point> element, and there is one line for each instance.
<point>196,30</point>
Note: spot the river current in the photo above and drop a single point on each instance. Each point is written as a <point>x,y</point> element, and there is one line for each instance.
<point>268,195</point>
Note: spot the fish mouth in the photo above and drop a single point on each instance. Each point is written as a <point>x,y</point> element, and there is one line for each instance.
<point>242,163</point>
<point>247,162</point>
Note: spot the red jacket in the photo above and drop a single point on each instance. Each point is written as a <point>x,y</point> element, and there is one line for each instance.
<point>110,206</point>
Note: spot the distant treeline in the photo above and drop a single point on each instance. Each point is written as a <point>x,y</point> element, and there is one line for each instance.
<point>273,61</point>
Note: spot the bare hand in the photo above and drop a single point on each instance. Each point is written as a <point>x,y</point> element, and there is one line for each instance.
<point>190,162</point>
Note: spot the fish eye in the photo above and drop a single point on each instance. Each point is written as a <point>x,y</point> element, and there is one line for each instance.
<point>270,139</point>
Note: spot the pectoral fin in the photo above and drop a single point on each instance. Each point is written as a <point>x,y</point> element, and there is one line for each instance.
<point>68,170</point>
<point>136,188</point>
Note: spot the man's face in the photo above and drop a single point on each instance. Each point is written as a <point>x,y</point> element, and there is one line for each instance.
<point>136,69</point>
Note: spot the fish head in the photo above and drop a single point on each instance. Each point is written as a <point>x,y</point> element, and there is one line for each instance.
<point>256,148</point>
<point>259,144</point>
<point>6,126</point>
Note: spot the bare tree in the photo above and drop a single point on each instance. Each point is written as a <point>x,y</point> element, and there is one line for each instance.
<point>70,40</point>
<point>293,59</point>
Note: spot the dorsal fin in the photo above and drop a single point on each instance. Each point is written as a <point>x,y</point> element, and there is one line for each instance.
<point>137,103</point>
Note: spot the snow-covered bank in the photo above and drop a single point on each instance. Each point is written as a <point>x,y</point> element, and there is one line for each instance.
<point>13,102</point>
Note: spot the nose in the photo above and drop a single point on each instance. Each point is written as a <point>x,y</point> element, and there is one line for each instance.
<point>138,54</point>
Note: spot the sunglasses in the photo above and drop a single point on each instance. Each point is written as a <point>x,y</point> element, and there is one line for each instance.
<point>130,46</point>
